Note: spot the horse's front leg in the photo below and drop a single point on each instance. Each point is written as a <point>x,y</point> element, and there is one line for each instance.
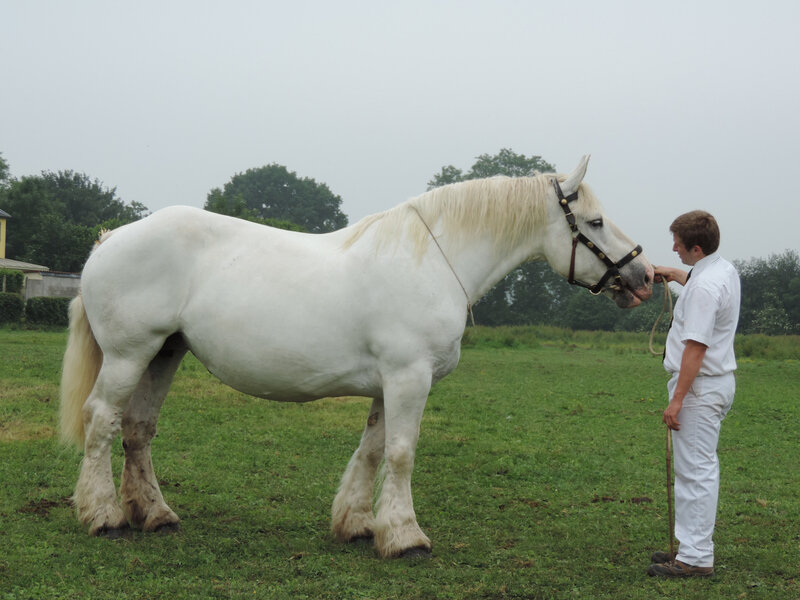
<point>396,530</point>
<point>351,515</point>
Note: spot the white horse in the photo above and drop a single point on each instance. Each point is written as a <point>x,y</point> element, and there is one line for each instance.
<point>377,309</point>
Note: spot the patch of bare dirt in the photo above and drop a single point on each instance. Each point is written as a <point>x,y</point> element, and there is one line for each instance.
<point>14,431</point>
<point>42,508</point>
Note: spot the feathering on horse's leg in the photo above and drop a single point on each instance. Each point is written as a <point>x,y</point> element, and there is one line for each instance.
<point>142,501</point>
<point>95,495</point>
<point>351,515</point>
<point>396,530</point>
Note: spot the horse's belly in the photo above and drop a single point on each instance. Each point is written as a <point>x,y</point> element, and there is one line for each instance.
<point>274,386</point>
<point>290,376</point>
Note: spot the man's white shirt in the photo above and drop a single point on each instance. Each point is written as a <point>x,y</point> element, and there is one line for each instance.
<point>707,311</point>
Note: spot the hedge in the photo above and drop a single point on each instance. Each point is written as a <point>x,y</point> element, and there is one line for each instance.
<point>11,307</point>
<point>11,281</point>
<point>47,311</point>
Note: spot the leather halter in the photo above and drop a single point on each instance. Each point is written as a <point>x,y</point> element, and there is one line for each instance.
<point>577,236</point>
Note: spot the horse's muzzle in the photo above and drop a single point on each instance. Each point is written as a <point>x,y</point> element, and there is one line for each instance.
<point>638,286</point>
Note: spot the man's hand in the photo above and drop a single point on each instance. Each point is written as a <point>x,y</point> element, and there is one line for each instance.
<point>691,360</point>
<point>671,414</point>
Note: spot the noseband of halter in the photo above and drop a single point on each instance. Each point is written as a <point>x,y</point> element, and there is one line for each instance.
<point>577,236</point>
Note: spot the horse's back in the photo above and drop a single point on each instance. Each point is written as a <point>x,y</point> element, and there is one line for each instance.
<point>184,242</point>
<point>147,273</point>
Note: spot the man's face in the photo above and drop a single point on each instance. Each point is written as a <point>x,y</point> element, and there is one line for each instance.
<point>688,256</point>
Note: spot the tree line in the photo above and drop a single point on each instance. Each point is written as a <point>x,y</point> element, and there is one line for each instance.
<point>56,217</point>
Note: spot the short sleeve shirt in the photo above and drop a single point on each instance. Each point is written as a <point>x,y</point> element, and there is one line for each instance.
<point>707,312</point>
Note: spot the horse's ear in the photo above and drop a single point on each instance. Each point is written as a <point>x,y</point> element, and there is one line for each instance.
<point>574,179</point>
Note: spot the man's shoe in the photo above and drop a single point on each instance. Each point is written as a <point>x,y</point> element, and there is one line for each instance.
<point>679,569</point>
<point>659,558</point>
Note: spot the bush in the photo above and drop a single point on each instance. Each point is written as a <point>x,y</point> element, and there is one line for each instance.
<point>11,307</point>
<point>11,281</point>
<point>776,347</point>
<point>48,311</point>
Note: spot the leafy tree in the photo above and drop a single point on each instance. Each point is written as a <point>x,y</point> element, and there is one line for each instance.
<point>770,294</point>
<point>494,308</point>
<point>87,202</point>
<point>506,162</point>
<point>446,176</point>
<point>56,217</point>
<point>236,207</point>
<point>538,294</point>
<point>771,318</point>
<point>4,171</point>
<point>581,310</point>
<point>273,192</point>
<point>791,302</point>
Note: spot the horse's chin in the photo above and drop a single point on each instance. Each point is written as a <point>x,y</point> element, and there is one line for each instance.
<point>625,298</point>
<point>628,297</point>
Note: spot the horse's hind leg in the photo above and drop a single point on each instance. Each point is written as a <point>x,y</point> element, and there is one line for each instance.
<point>95,495</point>
<point>142,501</point>
<point>351,515</point>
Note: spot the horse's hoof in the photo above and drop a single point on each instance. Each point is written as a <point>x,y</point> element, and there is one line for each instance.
<point>168,528</point>
<point>416,552</point>
<point>113,533</point>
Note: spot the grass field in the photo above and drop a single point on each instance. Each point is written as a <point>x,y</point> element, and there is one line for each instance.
<point>540,474</point>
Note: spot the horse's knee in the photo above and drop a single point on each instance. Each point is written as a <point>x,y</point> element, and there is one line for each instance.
<point>400,455</point>
<point>102,423</point>
<point>136,433</point>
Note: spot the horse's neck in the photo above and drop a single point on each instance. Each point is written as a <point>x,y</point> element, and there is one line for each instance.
<point>479,267</point>
<point>481,261</point>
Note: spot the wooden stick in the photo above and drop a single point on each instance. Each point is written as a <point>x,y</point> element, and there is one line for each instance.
<point>669,494</point>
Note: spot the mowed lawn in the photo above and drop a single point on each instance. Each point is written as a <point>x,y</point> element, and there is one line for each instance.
<point>540,473</point>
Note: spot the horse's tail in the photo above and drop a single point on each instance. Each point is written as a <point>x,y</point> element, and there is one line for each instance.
<point>82,361</point>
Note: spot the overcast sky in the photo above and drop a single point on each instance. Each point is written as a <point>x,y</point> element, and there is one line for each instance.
<point>682,104</point>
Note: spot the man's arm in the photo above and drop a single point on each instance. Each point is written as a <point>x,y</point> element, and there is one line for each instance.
<point>691,360</point>
<point>670,274</point>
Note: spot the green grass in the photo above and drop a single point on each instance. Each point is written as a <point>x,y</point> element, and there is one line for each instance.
<point>540,474</point>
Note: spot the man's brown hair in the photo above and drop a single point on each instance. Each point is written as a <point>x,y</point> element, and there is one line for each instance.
<point>697,228</point>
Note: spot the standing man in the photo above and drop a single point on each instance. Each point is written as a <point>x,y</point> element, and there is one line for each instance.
<point>699,355</point>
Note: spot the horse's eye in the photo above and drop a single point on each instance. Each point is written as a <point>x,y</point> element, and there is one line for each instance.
<point>596,223</point>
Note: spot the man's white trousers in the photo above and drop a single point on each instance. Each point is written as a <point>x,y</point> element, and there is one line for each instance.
<point>696,465</point>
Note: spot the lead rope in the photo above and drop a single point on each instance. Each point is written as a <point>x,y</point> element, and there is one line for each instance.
<point>667,303</point>
<point>435,241</point>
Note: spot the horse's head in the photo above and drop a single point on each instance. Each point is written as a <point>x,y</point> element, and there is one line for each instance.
<point>587,248</point>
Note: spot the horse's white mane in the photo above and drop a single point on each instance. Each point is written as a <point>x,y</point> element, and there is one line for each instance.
<point>506,208</point>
